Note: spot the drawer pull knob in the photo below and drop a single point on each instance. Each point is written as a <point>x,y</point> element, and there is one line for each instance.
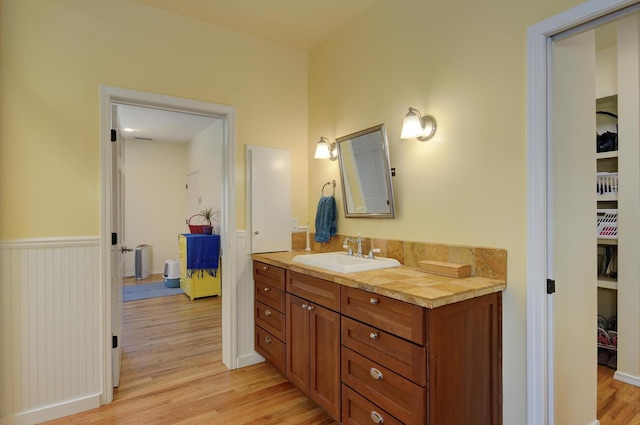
<point>265,267</point>
<point>373,335</point>
<point>304,306</point>
<point>373,301</point>
<point>309,307</point>
<point>267,312</point>
<point>375,373</point>
<point>267,339</point>
<point>266,289</point>
<point>376,417</point>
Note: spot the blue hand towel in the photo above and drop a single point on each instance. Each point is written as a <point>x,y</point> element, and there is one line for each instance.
<point>203,251</point>
<point>326,217</point>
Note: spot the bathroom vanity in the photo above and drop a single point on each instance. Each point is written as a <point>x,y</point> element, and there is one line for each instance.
<point>392,346</point>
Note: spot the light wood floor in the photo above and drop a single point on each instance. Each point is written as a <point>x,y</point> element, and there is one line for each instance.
<point>618,403</point>
<point>172,373</point>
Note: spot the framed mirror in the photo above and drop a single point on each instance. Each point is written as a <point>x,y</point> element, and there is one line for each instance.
<point>366,174</point>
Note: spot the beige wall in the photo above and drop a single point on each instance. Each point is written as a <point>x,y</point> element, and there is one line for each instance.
<point>464,63</point>
<point>154,199</point>
<point>56,53</point>
<point>204,155</point>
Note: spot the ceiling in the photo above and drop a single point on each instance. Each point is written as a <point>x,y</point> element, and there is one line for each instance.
<point>298,24</point>
<point>157,125</point>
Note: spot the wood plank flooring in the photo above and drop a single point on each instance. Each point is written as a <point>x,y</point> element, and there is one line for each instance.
<point>172,373</point>
<point>618,403</point>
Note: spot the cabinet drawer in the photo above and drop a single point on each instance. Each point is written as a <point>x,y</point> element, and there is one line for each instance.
<point>401,356</point>
<point>402,398</point>
<point>270,320</point>
<point>357,410</point>
<point>319,291</point>
<point>270,295</point>
<point>268,275</point>
<point>396,317</point>
<point>271,348</point>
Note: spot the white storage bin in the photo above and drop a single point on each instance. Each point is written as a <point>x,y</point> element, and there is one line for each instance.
<point>607,185</point>
<point>607,224</point>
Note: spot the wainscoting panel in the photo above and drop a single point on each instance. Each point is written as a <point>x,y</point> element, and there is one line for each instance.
<point>49,325</point>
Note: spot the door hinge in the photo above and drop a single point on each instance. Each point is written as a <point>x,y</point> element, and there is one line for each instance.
<point>113,135</point>
<point>114,341</point>
<point>114,239</point>
<point>551,286</point>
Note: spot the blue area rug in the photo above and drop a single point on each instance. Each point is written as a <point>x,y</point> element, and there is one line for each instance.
<point>147,290</point>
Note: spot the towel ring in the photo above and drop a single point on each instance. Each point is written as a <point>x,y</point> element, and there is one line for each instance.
<point>333,184</point>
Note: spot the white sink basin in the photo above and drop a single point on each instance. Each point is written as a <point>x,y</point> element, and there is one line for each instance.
<point>342,263</point>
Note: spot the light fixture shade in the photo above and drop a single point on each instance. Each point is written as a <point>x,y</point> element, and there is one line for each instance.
<point>417,126</point>
<point>322,150</point>
<point>411,126</point>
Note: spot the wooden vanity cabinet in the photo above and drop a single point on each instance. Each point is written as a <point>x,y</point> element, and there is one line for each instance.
<point>313,340</point>
<point>269,313</point>
<point>367,358</point>
<point>445,370</point>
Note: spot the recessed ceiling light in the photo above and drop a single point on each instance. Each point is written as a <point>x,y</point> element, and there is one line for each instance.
<point>128,129</point>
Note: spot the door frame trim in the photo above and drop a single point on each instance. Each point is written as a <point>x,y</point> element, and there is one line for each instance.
<point>540,409</point>
<point>108,95</point>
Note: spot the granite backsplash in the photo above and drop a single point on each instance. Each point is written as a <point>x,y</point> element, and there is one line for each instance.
<point>485,262</point>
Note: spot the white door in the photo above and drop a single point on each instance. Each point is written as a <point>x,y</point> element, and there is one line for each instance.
<point>269,198</point>
<point>572,229</point>
<point>117,245</point>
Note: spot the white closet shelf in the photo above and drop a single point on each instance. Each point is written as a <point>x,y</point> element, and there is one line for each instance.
<point>607,283</point>
<point>604,155</point>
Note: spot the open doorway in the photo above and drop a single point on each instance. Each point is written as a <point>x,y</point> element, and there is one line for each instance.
<point>163,150</point>
<point>110,244</point>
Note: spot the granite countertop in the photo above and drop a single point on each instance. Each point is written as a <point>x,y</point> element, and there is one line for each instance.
<point>403,283</point>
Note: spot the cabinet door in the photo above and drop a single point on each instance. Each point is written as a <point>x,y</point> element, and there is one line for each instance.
<point>297,358</point>
<point>325,359</point>
<point>465,369</point>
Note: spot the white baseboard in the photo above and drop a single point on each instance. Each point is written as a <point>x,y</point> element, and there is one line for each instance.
<point>250,359</point>
<point>629,379</point>
<point>52,412</point>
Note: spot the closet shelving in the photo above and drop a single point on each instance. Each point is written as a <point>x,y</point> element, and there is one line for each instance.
<point>607,227</point>
<point>607,200</point>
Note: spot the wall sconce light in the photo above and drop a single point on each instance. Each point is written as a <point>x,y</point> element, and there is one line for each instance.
<point>415,125</point>
<point>326,150</point>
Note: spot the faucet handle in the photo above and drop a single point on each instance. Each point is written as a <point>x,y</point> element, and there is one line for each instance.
<point>376,250</point>
<point>347,247</point>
